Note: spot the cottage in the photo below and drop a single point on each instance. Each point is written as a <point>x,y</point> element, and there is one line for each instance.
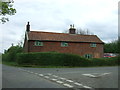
<point>89,46</point>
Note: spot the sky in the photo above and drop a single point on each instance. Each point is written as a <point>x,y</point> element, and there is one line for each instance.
<point>98,16</point>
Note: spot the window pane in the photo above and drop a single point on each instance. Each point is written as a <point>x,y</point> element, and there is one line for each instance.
<point>93,44</point>
<point>88,56</point>
<point>38,43</point>
<point>64,44</point>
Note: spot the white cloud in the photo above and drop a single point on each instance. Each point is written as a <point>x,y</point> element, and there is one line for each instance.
<point>99,16</point>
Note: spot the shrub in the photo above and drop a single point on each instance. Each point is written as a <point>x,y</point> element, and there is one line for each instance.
<point>10,54</point>
<point>51,59</point>
<point>104,61</point>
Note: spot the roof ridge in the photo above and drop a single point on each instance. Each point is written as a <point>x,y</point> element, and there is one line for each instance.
<point>59,33</point>
<point>53,36</point>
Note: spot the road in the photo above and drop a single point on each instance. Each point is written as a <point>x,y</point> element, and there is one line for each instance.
<point>90,78</point>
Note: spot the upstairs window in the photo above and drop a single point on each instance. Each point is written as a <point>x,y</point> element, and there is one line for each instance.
<point>64,44</point>
<point>93,45</point>
<point>38,43</point>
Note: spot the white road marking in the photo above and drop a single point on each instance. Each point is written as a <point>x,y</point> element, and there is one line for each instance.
<point>65,84</point>
<point>104,74</point>
<point>89,75</point>
<point>78,84</point>
<point>36,73</point>
<point>63,78</point>
<point>46,76</point>
<point>69,80</point>
<point>68,85</point>
<point>54,79</point>
<point>41,74</point>
<point>59,82</point>
<point>49,74</point>
<point>55,76</point>
<point>95,74</point>
<point>86,87</point>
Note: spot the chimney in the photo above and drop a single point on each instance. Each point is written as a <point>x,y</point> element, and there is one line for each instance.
<point>28,27</point>
<point>72,30</point>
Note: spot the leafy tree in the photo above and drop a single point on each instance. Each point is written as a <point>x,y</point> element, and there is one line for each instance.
<point>111,47</point>
<point>10,54</point>
<point>6,8</point>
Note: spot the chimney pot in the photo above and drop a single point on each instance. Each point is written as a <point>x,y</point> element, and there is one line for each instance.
<point>28,27</point>
<point>72,30</point>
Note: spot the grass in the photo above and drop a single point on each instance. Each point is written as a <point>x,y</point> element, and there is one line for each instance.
<point>37,66</point>
<point>10,63</point>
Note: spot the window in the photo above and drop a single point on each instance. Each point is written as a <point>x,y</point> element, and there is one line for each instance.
<point>88,55</point>
<point>93,45</point>
<point>38,43</point>
<point>64,44</point>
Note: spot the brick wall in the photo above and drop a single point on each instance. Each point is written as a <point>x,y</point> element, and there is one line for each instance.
<point>74,48</point>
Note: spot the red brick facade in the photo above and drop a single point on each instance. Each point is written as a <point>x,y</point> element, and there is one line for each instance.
<point>79,44</point>
<point>73,48</point>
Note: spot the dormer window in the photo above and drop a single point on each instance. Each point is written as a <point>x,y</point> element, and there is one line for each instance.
<point>38,43</point>
<point>64,44</point>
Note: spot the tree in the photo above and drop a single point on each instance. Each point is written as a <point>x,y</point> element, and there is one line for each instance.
<point>80,31</point>
<point>10,54</point>
<point>83,32</point>
<point>111,47</point>
<point>6,8</point>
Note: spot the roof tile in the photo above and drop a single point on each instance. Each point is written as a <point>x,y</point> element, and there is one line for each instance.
<point>50,36</point>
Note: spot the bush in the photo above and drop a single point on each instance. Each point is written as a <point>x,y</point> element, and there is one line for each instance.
<point>104,61</point>
<point>10,54</point>
<point>51,59</point>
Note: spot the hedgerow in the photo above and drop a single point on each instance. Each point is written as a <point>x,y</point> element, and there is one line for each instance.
<point>52,59</point>
<point>58,59</point>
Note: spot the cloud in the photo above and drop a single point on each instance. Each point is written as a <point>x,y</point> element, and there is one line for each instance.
<point>99,16</point>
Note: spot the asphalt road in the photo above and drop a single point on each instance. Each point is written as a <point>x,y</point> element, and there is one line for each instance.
<point>90,78</point>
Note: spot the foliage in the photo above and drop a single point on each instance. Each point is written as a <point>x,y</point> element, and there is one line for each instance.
<point>15,56</point>
<point>6,9</point>
<point>10,54</point>
<point>62,59</point>
<point>111,47</point>
<point>104,61</point>
<point>80,31</point>
<point>51,58</point>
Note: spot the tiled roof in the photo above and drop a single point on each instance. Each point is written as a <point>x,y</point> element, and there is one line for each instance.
<point>49,36</point>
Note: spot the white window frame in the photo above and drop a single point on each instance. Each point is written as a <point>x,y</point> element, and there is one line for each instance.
<point>64,44</point>
<point>88,56</point>
<point>38,43</point>
<point>93,45</point>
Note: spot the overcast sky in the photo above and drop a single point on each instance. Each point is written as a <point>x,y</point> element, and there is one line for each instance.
<point>99,16</point>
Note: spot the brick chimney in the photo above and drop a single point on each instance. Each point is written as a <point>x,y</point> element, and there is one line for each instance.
<point>72,30</point>
<point>28,27</point>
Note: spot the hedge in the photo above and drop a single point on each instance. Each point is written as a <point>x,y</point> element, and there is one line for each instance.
<point>51,59</point>
<point>104,61</point>
<point>58,59</point>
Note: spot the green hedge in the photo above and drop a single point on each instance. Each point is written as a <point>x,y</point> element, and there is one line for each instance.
<point>58,59</point>
<point>104,61</point>
<point>10,54</point>
<point>51,59</point>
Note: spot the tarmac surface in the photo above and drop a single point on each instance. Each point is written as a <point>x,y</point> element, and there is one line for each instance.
<point>89,78</point>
